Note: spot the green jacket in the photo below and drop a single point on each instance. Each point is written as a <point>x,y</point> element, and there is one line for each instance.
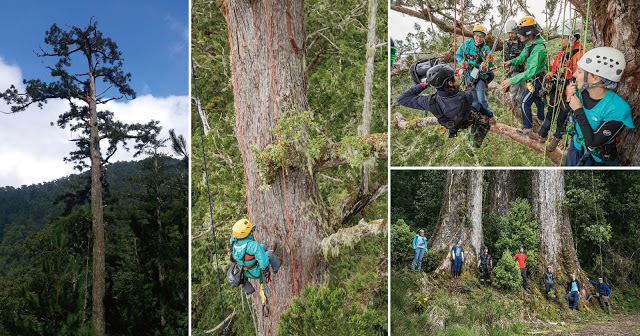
<point>474,56</point>
<point>535,55</point>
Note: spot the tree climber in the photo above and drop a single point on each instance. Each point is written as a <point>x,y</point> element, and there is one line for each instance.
<point>534,56</point>
<point>485,264</point>
<point>598,112</point>
<point>548,280</point>
<point>602,294</point>
<point>569,61</point>
<point>573,292</point>
<point>521,258</point>
<point>510,50</point>
<point>476,61</point>
<point>251,256</point>
<point>557,78</point>
<point>457,256</point>
<point>452,107</point>
<point>419,245</point>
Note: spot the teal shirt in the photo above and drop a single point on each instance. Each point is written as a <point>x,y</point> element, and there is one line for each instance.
<point>419,242</point>
<point>248,245</point>
<point>468,52</point>
<point>611,108</point>
<point>574,286</point>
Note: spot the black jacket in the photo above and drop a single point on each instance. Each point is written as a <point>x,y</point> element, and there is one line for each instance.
<point>569,286</point>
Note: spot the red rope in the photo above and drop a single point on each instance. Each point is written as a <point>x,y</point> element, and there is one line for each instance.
<point>237,112</point>
<point>455,32</point>
<point>274,87</point>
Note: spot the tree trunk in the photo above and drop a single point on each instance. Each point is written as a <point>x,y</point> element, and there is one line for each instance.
<point>502,191</point>
<point>614,24</point>
<point>556,239</point>
<point>266,41</point>
<point>365,127</point>
<point>97,222</point>
<point>461,214</point>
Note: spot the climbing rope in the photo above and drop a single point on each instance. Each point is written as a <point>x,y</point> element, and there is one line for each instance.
<point>209,199</point>
<point>274,88</point>
<point>595,207</point>
<point>455,31</point>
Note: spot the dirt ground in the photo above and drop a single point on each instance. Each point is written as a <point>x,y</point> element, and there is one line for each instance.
<point>618,325</point>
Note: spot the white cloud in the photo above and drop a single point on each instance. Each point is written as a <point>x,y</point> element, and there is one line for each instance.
<point>32,151</point>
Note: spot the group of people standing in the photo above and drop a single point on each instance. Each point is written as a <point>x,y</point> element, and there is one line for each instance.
<point>578,91</point>
<point>485,267</point>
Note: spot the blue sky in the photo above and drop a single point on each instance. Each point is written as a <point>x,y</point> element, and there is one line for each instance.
<point>153,38</point>
<point>152,35</point>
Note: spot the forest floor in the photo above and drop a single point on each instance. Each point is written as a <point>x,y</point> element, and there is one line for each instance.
<point>618,324</point>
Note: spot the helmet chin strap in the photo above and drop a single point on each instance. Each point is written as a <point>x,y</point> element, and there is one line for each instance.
<point>586,85</point>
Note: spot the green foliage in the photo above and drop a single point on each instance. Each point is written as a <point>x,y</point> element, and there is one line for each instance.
<point>46,272</point>
<point>416,197</point>
<point>506,274</point>
<point>518,229</point>
<point>354,150</point>
<point>401,238</point>
<point>323,311</point>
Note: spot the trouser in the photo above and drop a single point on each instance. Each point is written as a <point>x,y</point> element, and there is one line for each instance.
<point>485,275</point>
<point>525,282</point>
<point>480,102</point>
<point>554,108</point>
<point>573,298</point>
<point>274,261</point>
<point>529,98</point>
<point>457,266</point>
<point>578,158</point>
<point>548,287</point>
<point>417,259</point>
<point>603,300</point>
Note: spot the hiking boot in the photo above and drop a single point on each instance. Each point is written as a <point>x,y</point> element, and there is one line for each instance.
<point>492,121</point>
<point>553,144</point>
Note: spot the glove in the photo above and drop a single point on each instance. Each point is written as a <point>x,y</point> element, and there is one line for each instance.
<point>423,84</point>
<point>267,274</point>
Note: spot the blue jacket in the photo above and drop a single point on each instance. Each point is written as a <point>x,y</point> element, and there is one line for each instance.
<point>457,251</point>
<point>249,254</point>
<point>611,108</point>
<point>603,288</point>
<point>414,244</point>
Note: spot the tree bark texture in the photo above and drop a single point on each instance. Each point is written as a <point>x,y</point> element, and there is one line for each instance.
<point>502,191</point>
<point>461,214</point>
<point>365,127</point>
<point>556,239</point>
<point>266,41</point>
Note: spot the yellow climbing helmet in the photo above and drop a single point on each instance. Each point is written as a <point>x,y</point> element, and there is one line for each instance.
<point>242,228</point>
<point>479,28</point>
<point>527,21</point>
<point>527,26</point>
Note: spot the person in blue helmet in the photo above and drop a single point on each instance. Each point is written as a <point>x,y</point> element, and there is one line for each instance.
<point>457,257</point>
<point>419,245</point>
<point>474,57</point>
<point>599,114</point>
<point>250,255</point>
<point>603,292</point>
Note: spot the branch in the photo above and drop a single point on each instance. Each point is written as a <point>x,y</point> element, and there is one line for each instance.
<point>361,202</point>
<point>224,322</point>
<point>331,159</point>
<point>348,237</point>
<point>499,128</point>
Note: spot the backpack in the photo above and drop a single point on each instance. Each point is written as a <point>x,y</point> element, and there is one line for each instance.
<point>235,275</point>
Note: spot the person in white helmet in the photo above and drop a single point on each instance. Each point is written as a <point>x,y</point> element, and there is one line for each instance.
<point>599,113</point>
<point>510,50</point>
